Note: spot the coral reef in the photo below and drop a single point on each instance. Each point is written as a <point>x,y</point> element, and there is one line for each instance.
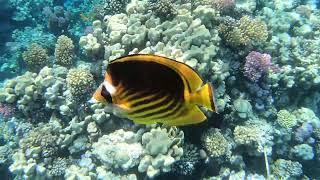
<point>262,58</point>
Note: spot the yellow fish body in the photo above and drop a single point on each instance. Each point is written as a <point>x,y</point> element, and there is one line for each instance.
<point>152,89</point>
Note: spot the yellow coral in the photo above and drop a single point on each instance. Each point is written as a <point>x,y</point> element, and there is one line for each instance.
<point>243,31</point>
<point>36,57</point>
<point>286,119</point>
<point>64,51</point>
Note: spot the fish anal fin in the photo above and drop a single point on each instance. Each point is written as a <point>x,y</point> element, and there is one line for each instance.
<point>193,116</point>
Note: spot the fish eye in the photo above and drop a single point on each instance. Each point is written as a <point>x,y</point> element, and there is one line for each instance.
<point>106,94</point>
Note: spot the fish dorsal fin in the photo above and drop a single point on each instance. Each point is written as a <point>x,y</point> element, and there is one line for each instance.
<point>194,81</point>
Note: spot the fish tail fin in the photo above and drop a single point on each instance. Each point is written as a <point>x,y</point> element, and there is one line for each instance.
<point>204,97</point>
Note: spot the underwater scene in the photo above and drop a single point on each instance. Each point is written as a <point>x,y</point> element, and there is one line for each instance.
<point>159,89</point>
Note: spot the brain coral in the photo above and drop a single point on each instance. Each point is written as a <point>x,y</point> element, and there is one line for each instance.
<point>36,57</point>
<point>64,51</point>
<point>243,32</point>
<point>215,143</point>
<point>80,83</point>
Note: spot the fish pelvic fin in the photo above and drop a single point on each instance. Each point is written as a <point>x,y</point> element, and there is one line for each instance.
<point>204,97</point>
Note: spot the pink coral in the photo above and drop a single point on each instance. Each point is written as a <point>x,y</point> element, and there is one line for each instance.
<point>6,110</point>
<point>256,65</point>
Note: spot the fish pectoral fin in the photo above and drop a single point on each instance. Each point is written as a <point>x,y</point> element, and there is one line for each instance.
<point>193,115</point>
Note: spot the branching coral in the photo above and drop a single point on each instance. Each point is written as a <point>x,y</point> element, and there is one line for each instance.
<point>259,134</point>
<point>80,83</point>
<point>286,119</point>
<point>188,161</point>
<point>58,167</point>
<point>256,65</point>
<point>28,9</point>
<point>40,143</point>
<point>286,169</point>
<point>163,8</point>
<point>243,32</point>
<point>112,7</point>
<point>215,143</point>
<point>36,57</point>
<point>303,151</point>
<point>64,51</point>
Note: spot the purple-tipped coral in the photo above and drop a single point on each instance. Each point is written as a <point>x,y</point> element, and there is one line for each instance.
<point>256,65</point>
<point>6,110</point>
